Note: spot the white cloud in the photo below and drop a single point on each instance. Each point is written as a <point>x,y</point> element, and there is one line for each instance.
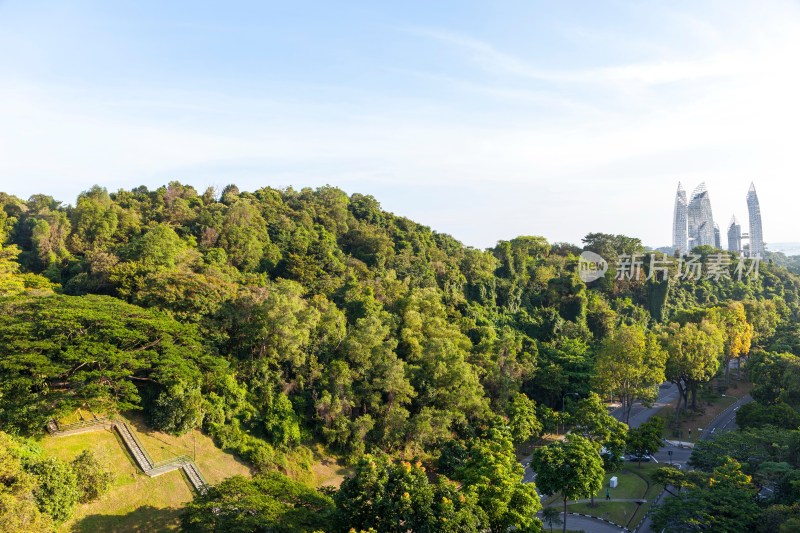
<point>559,152</point>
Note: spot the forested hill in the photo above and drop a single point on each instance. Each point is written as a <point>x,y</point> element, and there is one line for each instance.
<point>278,318</point>
<point>292,314</point>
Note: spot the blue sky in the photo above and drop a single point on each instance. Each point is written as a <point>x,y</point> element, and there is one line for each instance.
<point>485,120</point>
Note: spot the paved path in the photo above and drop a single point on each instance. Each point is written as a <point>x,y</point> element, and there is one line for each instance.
<point>600,500</point>
<point>590,525</point>
<point>667,394</point>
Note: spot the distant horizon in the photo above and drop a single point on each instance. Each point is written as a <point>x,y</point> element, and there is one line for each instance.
<point>484,121</point>
<point>789,248</point>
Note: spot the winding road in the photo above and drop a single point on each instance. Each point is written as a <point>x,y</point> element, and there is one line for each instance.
<point>591,525</point>
<point>667,394</point>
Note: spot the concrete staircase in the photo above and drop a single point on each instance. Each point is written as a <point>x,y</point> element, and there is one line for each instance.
<point>168,466</point>
<point>83,426</point>
<point>135,448</point>
<point>195,477</point>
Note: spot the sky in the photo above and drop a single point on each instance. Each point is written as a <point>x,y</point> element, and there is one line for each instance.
<point>485,120</point>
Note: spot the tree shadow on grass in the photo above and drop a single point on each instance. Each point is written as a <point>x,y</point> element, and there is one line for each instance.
<point>145,519</point>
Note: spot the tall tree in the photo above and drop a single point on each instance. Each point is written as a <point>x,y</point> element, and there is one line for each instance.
<point>56,492</point>
<point>590,418</point>
<point>726,503</point>
<point>492,472</point>
<point>47,369</point>
<point>522,420</point>
<point>693,357</point>
<point>571,467</point>
<point>397,497</point>
<point>94,220</point>
<point>630,365</point>
<point>737,332</point>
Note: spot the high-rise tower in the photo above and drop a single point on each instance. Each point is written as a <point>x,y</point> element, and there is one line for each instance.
<point>679,223</point>
<point>734,236</point>
<point>756,232</point>
<point>700,219</point>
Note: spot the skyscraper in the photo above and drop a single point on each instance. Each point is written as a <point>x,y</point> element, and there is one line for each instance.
<point>734,236</point>
<point>700,219</point>
<point>717,241</point>
<point>756,233</point>
<point>679,222</point>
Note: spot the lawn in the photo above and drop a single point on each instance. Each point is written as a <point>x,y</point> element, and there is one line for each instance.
<point>214,464</point>
<point>137,502</point>
<point>635,482</point>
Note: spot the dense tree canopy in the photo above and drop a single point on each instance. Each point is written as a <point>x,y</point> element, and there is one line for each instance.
<point>280,319</point>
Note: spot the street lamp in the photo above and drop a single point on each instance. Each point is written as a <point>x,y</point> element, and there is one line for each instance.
<point>563,407</point>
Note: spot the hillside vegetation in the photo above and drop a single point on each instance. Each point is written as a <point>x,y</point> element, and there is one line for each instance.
<point>278,321</point>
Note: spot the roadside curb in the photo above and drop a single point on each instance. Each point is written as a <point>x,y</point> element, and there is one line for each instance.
<point>732,407</point>
<point>622,528</point>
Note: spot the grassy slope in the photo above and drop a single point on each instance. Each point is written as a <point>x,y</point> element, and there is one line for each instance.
<point>137,502</point>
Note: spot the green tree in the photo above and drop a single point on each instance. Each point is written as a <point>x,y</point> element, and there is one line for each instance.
<point>492,472</point>
<point>552,517</point>
<point>159,247</point>
<point>767,371</point>
<point>11,282</point>
<point>571,467</point>
<point>268,502</point>
<point>647,439</point>
<point>693,357</point>
<point>435,352</point>
<point>672,477</point>
<point>178,408</point>
<point>748,446</point>
<point>56,492</point>
<point>92,480</point>
<point>48,370</point>
<point>94,221</point>
<point>630,365</point>
<point>756,415</point>
<point>522,420</point>
<point>281,422</point>
<point>397,497</point>
<point>737,332</point>
<point>590,419</point>
<point>726,503</point>
<point>765,316</point>
<point>244,236</point>
<point>49,231</point>
<point>18,508</point>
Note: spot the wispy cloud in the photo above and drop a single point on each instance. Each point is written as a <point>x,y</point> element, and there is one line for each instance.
<point>560,151</point>
<point>488,57</point>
